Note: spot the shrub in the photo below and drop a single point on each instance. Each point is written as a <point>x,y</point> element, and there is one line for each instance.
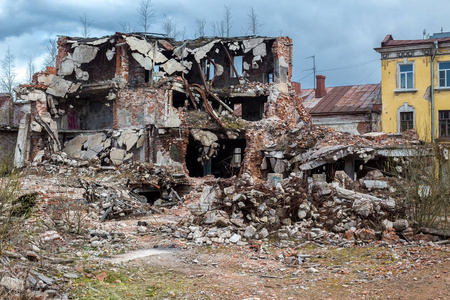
<point>424,184</point>
<point>10,223</point>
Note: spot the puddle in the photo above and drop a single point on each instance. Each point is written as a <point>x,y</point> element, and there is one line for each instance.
<point>138,254</point>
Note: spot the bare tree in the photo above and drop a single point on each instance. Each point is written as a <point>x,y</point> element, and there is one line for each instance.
<point>8,79</point>
<point>170,27</point>
<point>125,27</point>
<point>52,51</point>
<point>146,12</point>
<point>200,27</point>
<point>218,28</point>
<point>183,33</point>
<point>85,25</point>
<point>254,24</point>
<point>31,69</point>
<point>227,20</point>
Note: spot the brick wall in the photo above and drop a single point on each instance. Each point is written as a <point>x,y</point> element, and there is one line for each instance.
<point>282,47</point>
<point>20,109</point>
<point>8,141</point>
<point>5,109</point>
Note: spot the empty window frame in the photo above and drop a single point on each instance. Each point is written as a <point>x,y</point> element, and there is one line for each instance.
<point>444,123</point>
<point>237,61</point>
<point>208,69</point>
<point>405,76</point>
<point>444,74</point>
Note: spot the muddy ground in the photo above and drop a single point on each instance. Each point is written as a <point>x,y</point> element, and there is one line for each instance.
<point>160,267</point>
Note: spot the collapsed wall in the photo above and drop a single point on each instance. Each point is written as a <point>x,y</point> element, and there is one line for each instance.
<point>140,97</point>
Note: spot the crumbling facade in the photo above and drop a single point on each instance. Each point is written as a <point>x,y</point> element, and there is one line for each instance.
<point>128,97</point>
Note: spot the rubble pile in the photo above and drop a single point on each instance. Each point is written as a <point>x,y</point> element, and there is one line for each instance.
<point>305,208</point>
<point>110,148</point>
<point>114,202</point>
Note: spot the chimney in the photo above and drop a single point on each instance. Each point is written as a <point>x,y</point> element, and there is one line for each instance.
<point>320,89</point>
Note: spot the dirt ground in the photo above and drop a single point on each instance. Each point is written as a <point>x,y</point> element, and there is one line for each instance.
<point>165,268</point>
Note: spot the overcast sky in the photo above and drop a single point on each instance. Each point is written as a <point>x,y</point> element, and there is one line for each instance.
<point>341,34</point>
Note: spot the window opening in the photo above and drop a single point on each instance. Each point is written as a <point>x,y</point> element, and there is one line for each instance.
<point>237,60</point>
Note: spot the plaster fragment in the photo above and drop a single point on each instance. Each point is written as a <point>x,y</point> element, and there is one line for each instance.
<point>144,61</point>
<point>59,87</point>
<point>138,45</point>
<point>173,66</point>
<point>117,156</point>
<point>251,43</point>
<point>219,69</point>
<point>84,54</point>
<point>234,46</point>
<point>81,75</point>
<point>110,53</point>
<point>67,66</point>
<point>201,52</point>
<point>260,50</point>
<point>98,42</point>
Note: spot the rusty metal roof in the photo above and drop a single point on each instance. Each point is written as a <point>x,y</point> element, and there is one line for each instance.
<point>389,41</point>
<point>352,99</point>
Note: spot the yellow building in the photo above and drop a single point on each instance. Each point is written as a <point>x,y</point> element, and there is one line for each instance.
<point>408,101</point>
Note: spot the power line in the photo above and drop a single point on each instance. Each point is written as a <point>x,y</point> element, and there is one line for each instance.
<point>305,76</point>
<point>368,75</point>
<point>350,66</point>
<point>313,68</point>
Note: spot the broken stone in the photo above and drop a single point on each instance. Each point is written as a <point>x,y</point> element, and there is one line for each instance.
<point>363,207</point>
<point>250,231</point>
<point>400,225</point>
<point>312,270</point>
<point>365,234</point>
<point>73,147</point>
<point>302,214</point>
<point>117,156</point>
<point>35,126</point>
<point>39,156</point>
<point>59,87</point>
<point>81,75</point>
<point>263,233</point>
<point>387,224</point>
<point>375,184</point>
<point>235,238</point>
<point>142,229</point>
<point>140,141</point>
<point>128,138</point>
<point>50,236</point>
<point>12,283</point>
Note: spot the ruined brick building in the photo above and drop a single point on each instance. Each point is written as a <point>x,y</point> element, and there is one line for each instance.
<point>193,104</point>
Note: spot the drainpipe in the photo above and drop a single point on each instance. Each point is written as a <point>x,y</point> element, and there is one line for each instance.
<point>432,90</point>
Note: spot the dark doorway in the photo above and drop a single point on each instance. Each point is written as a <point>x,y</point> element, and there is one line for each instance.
<point>224,165</point>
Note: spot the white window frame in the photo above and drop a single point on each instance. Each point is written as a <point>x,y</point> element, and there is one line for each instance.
<point>399,76</point>
<point>405,108</point>
<point>446,75</point>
